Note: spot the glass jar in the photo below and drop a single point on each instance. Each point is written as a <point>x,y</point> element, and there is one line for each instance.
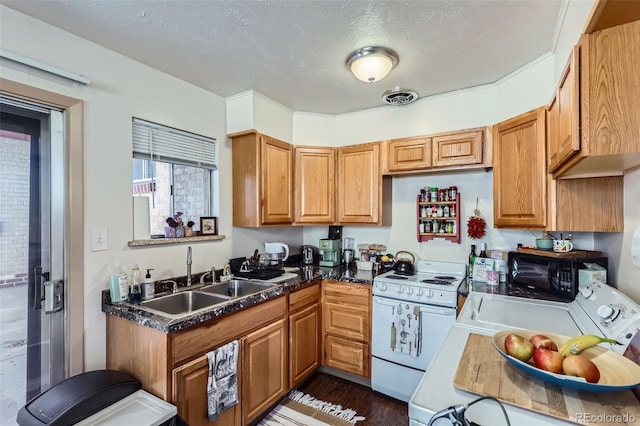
<point>452,210</point>
<point>453,193</point>
<point>441,195</point>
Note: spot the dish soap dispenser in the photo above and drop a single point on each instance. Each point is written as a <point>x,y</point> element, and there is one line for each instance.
<point>135,294</point>
<point>148,286</point>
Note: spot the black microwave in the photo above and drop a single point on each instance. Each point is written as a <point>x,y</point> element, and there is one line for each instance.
<point>555,275</point>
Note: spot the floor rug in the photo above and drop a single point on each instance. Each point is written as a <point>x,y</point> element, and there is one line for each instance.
<point>300,409</point>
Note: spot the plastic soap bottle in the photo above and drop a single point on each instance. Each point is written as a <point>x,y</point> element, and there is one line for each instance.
<point>148,286</point>
<point>118,286</point>
<point>135,295</point>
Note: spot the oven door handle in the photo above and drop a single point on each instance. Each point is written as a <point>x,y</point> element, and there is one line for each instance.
<point>423,308</point>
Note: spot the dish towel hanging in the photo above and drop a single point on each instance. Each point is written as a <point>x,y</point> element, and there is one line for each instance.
<point>222,385</point>
<point>406,336</point>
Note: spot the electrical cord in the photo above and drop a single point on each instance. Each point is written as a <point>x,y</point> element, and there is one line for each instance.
<point>455,413</point>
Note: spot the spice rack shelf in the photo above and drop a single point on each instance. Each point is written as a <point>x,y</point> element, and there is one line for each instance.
<point>425,222</point>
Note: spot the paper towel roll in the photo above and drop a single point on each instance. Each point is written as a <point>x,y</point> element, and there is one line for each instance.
<point>141,224</point>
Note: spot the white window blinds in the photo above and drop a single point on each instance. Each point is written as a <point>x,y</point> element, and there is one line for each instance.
<point>161,143</point>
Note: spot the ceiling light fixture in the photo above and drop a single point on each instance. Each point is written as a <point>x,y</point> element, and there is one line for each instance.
<point>372,63</point>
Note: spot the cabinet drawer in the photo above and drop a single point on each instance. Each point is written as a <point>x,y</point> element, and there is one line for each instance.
<point>346,355</point>
<point>301,298</point>
<point>347,294</point>
<point>347,321</point>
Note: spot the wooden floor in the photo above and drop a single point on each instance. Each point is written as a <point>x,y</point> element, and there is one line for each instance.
<point>379,409</point>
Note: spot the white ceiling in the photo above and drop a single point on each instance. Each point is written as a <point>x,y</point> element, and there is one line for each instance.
<point>294,51</point>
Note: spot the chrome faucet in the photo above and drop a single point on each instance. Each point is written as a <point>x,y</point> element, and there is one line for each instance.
<point>174,289</point>
<point>189,266</point>
<point>212,272</point>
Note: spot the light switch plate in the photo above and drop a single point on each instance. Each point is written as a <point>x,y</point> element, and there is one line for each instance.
<point>99,240</point>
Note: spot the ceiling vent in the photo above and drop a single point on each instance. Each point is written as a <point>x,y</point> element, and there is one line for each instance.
<point>399,96</point>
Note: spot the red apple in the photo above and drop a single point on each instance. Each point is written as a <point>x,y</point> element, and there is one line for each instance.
<point>580,366</point>
<point>542,341</point>
<point>548,360</point>
<point>518,347</point>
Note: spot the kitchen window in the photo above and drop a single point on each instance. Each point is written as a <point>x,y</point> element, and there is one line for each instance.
<point>175,171</point>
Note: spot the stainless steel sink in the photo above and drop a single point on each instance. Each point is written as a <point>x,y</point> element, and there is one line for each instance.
<point>238,288</point>
<point>183,303</point>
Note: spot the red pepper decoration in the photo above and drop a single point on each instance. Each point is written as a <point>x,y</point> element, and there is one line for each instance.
<point>476,224</point>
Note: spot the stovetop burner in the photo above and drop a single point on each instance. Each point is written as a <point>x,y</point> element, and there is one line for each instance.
<point>445,277</point>
<point>398,277</point>
<point>436,281</point>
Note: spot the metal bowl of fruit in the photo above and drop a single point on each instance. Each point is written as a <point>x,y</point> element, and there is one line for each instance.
<point>579,363</point>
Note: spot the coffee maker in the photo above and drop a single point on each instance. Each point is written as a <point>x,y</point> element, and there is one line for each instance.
<point>330,250</point>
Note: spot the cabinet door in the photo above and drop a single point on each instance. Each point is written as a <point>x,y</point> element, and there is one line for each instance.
<point>409,154</point>
<point>304,344</point>
<point>190,395</point>
<point>264,372</point>
<point>458,149</point>
<point>277,181</point>
<point>519,172</point>
<point>347,355</point>
<point>564,139</point>
<point>315,185</point>
<point>359,184</point>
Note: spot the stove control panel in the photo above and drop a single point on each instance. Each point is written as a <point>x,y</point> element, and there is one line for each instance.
<point>416,293</point>
<point>611,310</point>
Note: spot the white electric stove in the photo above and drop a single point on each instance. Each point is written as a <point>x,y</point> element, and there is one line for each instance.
<point>597,309</point>
<point>411,316</point>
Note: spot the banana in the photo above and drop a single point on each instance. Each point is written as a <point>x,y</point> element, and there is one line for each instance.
<point>580,343</point>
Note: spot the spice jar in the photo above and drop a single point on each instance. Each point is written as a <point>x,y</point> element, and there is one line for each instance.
<point>441,195</point>
<point>434,194</point>
<point>453,193</point>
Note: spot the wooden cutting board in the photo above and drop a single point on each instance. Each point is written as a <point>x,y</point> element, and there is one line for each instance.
<point>570,255</point>
<point>483,371</point>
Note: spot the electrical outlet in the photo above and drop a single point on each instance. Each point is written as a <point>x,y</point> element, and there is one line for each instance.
<point>99,240</point>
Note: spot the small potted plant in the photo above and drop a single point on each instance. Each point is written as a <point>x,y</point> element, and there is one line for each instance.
<point>188,230</point>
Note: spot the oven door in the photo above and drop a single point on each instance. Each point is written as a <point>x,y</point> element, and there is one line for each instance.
<point>434,324</point>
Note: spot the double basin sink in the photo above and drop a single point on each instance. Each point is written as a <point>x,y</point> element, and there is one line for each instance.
<point>189,301</point>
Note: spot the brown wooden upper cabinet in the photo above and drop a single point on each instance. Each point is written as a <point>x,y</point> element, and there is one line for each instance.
<point>262,180</point>
<point>563,116</point>
<point>597,105</point>
<point>525,196</point>
<point>409,154</point>
<point>519,172</point>
<point>360,190</point>
<point>315,184</point>
<point>456,151</point>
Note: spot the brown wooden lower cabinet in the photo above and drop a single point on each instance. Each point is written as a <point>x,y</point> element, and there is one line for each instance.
<point>189,381</point>
<point>346,319</point>
<point>304,345</point>
<point>264,369</point>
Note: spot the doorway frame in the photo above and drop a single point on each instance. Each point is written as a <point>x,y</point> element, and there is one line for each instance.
<point>74,213</point>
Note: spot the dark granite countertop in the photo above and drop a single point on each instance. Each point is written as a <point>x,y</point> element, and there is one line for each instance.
<point>306,275</point>
<point>506,289</point>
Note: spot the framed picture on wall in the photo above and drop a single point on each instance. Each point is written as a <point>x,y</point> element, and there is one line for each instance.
<point>209,225</point>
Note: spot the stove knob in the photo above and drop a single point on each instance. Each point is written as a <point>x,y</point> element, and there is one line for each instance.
<point>400,289</point>
<point>586,292</point>
<point>410,290</point>
<point>382,287</point>
<point>430,294</point>
<point>420,292</point>
<point>604,311</point>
